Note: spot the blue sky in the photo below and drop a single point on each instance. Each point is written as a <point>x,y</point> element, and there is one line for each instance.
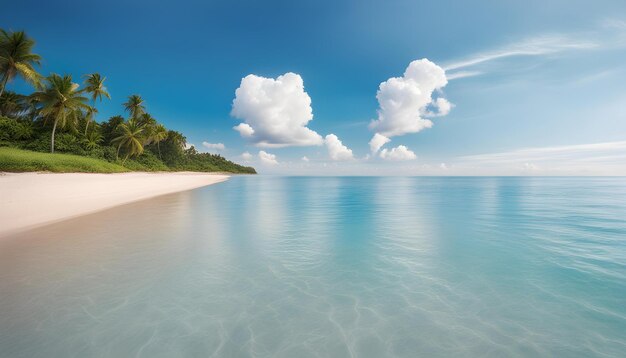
<point>539,88</point>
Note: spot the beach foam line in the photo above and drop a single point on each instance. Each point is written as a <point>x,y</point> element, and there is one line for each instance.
<point>29,200</point>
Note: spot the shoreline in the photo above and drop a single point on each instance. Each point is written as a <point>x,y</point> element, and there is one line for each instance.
<point>30,200</point>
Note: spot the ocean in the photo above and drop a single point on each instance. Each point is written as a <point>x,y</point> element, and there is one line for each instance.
<point>269,266</point>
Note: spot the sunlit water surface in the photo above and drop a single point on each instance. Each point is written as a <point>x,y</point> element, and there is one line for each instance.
<point>330,267</point>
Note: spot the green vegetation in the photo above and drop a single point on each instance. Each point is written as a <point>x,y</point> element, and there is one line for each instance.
<point>18,160</point>
<point>60,117</point>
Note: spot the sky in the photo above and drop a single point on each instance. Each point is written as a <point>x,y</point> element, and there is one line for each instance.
<point>358,87</point>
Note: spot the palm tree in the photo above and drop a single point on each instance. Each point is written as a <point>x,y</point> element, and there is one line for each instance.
<point>159,133</point>
<point>16,58</point>
<point>92,140</point>
<point>135,106</point>
<point>131,138</point>
<point>12,104</point>
<point>60,101</point>
<point>89,114</point>
<point>177,138</point>
<point>147,120</point>
<point>94,85</point>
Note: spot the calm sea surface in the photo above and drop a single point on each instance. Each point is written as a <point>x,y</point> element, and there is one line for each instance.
<point>329,267</point>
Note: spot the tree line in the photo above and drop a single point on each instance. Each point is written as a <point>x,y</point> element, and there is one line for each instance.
<point>60,115</point>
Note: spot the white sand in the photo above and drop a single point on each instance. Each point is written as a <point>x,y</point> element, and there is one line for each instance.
<point>28,200</point>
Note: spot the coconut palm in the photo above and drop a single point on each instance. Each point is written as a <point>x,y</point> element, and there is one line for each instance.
<point>90,113</point>
<point>94,85</point>
<point>130,137</point>
<point>159,133</point>
<point>177,138</point>
<point>16,58</point>
<point>92,139</point>
<point>12,104</point>
<point>60,101</point>
<point>147,120</point>
<point>135,106</point>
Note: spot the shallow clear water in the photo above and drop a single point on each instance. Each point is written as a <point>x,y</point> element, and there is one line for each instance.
<point>337,267</point>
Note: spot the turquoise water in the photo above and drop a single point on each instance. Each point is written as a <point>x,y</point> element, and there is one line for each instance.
<point>330,267</point>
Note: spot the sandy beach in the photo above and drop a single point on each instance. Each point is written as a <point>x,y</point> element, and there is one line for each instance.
<point>28,200</point>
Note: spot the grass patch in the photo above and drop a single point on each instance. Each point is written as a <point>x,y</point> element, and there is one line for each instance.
<point>19,160</point>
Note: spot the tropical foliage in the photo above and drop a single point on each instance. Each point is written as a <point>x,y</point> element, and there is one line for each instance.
<point>60,102</point>
<point>17,58</point>
<point>61,116</point>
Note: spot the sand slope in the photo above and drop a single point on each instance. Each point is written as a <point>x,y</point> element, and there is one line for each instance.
<point>29,200</point>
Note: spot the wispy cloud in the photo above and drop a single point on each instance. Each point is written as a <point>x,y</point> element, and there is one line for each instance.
<point>610,33</point>
<point>462,74</point>
<point>608,158</point>
<point>541,45</point>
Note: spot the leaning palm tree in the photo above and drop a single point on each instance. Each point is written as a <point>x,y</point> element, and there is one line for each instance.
<point>135,106</point>
<point>130,137</point>
<point>60,101</point>
<point>16,58</point>
<point>90,113</point>
<point>94,85</point>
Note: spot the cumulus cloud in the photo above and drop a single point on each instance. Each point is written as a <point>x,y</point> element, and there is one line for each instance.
<point>377,141</point>
<point>275,112</point>
<point>216,146</point>
<point>398,153</point>
<point>244,130</point>
<point>336,149</point>
<point>246,156</point>
<point>405,101</point>
<point>443,106</point>
<point>267,158</point>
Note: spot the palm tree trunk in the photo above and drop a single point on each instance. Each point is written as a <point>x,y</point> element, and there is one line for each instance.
<point>117,155</point>
<point>159,148</point>
<point>93,105</point>
<point>54,128</point>
<point>4,83</point>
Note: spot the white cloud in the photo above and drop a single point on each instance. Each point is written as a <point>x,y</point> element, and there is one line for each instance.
<point>216,146</point>
<point>336,149</point>
<point>267,158</point>
<point>275,111</point>
<point>404,101</point>
<point>462,74</point>
<point>189,145</point>
<point>244,130</point>
<point>246,156</point>
<point>377,141</point>
<point>607,158</point>
<point>305,159</point>
<point>398,153</point>
<point>535,46</point>
<point>565,152</point>
<point>530,166</point>
<point>443,106</point>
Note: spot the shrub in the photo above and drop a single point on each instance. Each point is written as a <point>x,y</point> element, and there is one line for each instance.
<point>15,130</point>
